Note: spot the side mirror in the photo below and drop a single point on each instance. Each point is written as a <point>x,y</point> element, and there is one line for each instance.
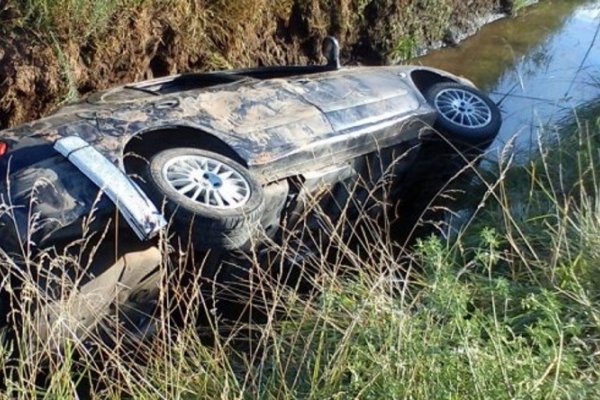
<point>331,51</point>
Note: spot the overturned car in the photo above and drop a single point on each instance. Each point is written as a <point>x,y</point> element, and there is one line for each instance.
<point>213,145</point>
<point>216,155</point>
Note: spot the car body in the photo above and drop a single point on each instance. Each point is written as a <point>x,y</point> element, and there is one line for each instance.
<point>278,124</point>
<point>214,157</point>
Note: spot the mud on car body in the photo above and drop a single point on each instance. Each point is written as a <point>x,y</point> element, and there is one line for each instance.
<point>219,154</point>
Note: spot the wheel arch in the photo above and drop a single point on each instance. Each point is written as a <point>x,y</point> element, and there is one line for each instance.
<point>143,145</point>
<point>423,79</point>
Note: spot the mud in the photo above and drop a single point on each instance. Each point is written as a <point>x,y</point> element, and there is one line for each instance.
<point>40,69</point>
<point>30,80</point>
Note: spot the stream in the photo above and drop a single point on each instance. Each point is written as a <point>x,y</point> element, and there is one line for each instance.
<point>540,67</point>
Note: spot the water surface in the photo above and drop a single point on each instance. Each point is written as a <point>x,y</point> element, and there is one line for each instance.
<point>540,67</point>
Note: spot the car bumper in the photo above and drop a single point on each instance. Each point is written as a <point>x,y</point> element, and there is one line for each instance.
<point>55,197</point>
<point>137,209</point>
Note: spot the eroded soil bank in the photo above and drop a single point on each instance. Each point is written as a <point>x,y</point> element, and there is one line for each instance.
<point>51,52</point>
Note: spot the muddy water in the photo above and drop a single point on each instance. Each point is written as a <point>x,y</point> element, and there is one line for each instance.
<point>540,66</point>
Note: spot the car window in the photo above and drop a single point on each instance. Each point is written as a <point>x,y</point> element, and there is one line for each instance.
<point>179,83</point>
<point>162,86</point>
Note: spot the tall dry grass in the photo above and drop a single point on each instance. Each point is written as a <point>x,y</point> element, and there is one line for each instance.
<point>507,309</point>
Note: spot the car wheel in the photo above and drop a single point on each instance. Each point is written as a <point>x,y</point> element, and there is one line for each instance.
<point>465,114</point>
<point>211,199</point>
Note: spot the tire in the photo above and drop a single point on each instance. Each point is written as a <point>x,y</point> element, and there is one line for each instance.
<point>465,114</point>
<point>211,217</point>
<point>439,161</point>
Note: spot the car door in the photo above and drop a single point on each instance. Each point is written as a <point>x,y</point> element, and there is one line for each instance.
<point>355,99</point>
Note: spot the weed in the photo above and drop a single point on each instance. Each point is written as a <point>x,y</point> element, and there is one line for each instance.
<point>72,92</point>
<point>405,48</point>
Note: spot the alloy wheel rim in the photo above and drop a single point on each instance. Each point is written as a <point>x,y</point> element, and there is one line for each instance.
<point>207,181</point>
<point>463,108</point>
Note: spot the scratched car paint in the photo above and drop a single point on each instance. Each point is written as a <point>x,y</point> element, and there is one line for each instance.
<point>248,144</point>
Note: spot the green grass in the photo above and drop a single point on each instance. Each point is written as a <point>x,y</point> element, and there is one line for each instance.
<point>510,309</point>
<point>519,5</point>
<point>77,18</point>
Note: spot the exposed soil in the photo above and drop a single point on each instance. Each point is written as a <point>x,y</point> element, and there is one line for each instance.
<point>30,80</point>
<point>42,67</point>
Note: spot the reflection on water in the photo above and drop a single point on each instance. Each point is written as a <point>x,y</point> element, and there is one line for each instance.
<point>539,66</point>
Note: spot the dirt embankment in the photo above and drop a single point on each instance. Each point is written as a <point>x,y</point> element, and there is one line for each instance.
<point>50,53</point>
